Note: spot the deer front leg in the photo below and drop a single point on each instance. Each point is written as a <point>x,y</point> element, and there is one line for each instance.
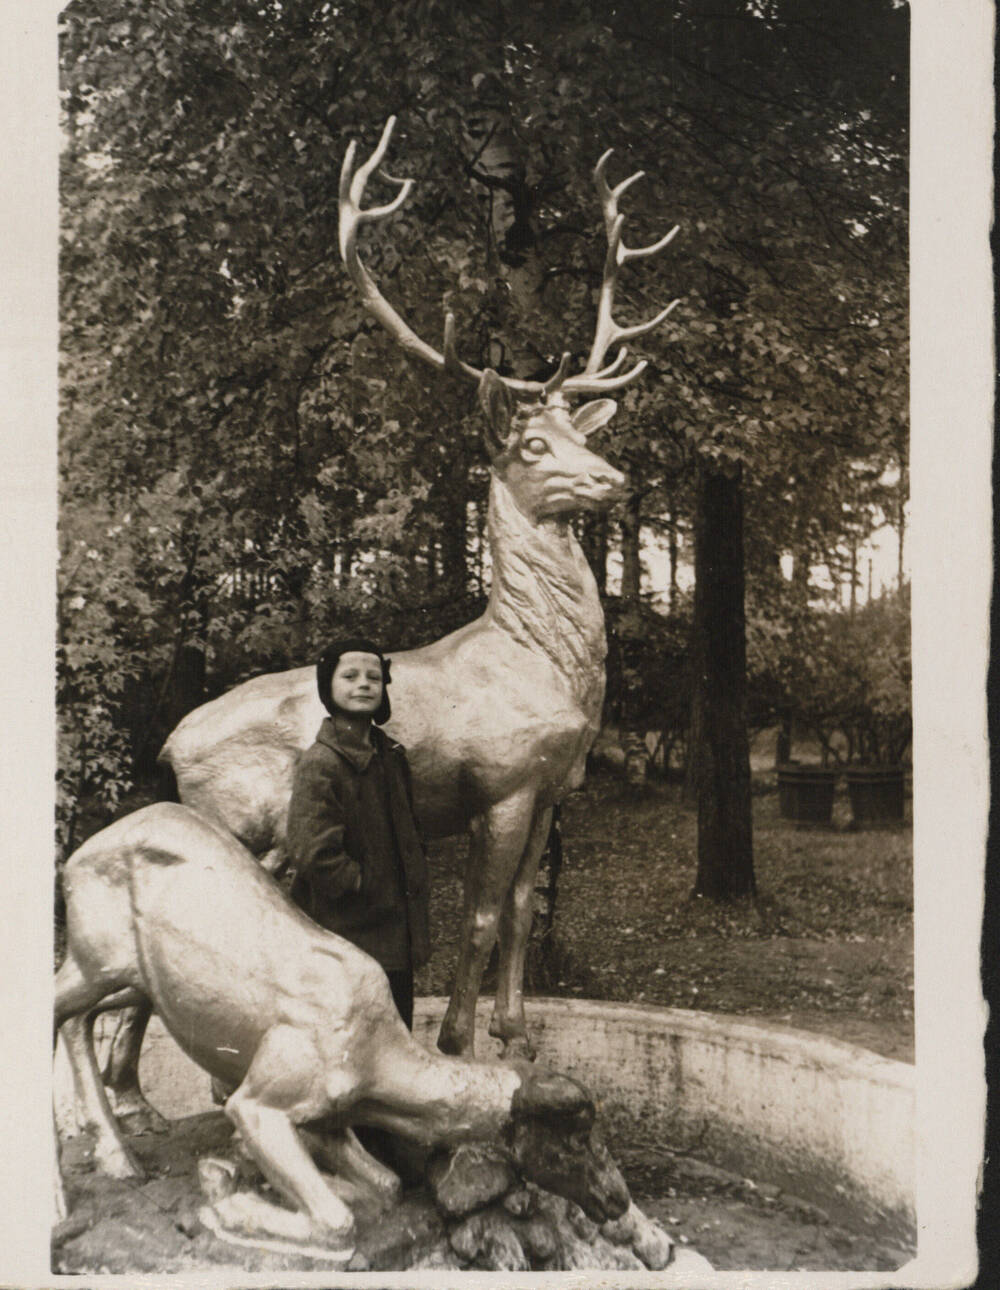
<point>507,1022</point>
<point>286,1086</point>
<point>499,838</point>
<point>359,1176</point>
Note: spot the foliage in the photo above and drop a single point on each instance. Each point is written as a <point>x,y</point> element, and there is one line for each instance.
<point>648,669</point>
<point>107,628</point>
<point>846,678</point>
<point>254,463</point>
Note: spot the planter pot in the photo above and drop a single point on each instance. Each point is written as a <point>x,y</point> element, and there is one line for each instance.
<point>876,793</point>
<point>805,793</point>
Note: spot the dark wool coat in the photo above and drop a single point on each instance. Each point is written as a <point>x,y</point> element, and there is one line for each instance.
<point>360,865</point>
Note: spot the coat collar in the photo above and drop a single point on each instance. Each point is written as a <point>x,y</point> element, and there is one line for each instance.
<point>359,758</point>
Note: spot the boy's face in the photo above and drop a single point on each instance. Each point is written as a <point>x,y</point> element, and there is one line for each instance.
<point>356,685</point>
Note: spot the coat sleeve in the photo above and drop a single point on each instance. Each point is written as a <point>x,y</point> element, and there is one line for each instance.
<point>316,832</point>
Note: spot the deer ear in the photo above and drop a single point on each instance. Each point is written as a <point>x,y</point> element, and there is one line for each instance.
<point>498,407</point>
<point>591,416</point>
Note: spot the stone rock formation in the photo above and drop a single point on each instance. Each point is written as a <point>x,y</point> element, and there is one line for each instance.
<point>473,1211</point>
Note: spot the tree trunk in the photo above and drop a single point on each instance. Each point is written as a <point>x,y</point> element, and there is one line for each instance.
<point>188,689</point>
<point>854,577</point>
<point>594,540</point>
<point>477,572</point>
<point>672,553</point>
<point>430,565</point>
<point>631,526</point>
<point>721,749</point>
<point>691,766</point>
<point>345,563</point>
<point>452,507</point>
<point>901,525</point>
<point>632,740</point>
<point>783,743</point>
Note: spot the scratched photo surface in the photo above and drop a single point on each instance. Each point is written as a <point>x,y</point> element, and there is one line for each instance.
<point>560,359</point>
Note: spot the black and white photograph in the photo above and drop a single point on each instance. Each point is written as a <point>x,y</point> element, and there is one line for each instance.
<point>498,573</point>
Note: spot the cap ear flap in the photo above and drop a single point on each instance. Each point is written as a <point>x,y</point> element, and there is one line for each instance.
<point>498,407</point>
<point>591,416</point>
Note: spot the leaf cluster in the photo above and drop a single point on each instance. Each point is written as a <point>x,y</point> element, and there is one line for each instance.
<point>253,462</point>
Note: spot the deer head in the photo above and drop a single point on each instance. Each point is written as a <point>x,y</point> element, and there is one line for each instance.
<point>540,451</point>
<point>547,421</point>
<point>552,1139</point>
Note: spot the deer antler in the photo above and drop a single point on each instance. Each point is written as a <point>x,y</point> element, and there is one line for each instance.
<point>590,381</point>
<point>607,331</point>
<point>352,188</point>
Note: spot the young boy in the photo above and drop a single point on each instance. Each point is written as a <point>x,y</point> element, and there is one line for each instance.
<point>360,865</point>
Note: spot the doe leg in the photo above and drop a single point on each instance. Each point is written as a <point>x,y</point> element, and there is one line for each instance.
<point>121,1073</point>
<point>498,842</point>
<point>359,1175</point>
<point>76,997</point>
<point>278,1093</point>
<point>507,1022</point>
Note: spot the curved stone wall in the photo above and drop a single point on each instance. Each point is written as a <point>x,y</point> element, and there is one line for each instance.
<point>827,1121</point>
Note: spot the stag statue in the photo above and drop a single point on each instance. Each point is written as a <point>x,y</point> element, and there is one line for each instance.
<point>298,1023</point>
<point>498,717</point>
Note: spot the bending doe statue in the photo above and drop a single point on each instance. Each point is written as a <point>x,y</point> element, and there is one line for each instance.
<point>498,717</point>
<point>297,1020</point>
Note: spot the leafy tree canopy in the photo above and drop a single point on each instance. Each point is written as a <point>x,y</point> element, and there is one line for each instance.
<point>252,452</point>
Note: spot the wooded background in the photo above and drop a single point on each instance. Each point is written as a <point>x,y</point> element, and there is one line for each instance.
<point>249,467</point>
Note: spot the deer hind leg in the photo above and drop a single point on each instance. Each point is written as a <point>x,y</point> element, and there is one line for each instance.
<point>77,997</point>
<point>283,1088</point>
<point>121,1073</point>
<point>498,842</point>
<point>359,1179</point>
<point>507,1022</point>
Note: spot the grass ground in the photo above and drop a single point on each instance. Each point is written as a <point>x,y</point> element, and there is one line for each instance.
<point>828,946</point>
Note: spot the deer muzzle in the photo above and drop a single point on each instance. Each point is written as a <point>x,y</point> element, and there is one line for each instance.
<point>599,488</point>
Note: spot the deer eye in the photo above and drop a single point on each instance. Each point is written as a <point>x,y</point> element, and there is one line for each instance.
<point>536,446</point>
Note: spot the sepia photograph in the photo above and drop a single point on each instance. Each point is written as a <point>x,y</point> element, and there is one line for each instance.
<point>512,726</point>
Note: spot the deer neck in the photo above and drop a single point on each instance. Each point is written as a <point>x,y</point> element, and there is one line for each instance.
<point>543,592</point>
<point>435,1099</point>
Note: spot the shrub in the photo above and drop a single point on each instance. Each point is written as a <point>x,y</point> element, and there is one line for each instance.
<point>849,680</point>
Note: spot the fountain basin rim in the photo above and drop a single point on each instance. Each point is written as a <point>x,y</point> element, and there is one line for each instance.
<point>827,1121</point>
<point>805,1046</point>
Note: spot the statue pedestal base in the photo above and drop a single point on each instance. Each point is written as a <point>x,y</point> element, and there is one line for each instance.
<point>202,1208</point>
<point>222,1220</point>
<point>246,1218</point>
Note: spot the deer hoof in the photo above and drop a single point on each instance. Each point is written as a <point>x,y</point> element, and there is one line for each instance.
<point>134,1113</point>
<point>217,1178</point>
<point>452,1043</point>
<point>244,1218</point>
<point>518,1049</point>
<point>117,1161</point>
